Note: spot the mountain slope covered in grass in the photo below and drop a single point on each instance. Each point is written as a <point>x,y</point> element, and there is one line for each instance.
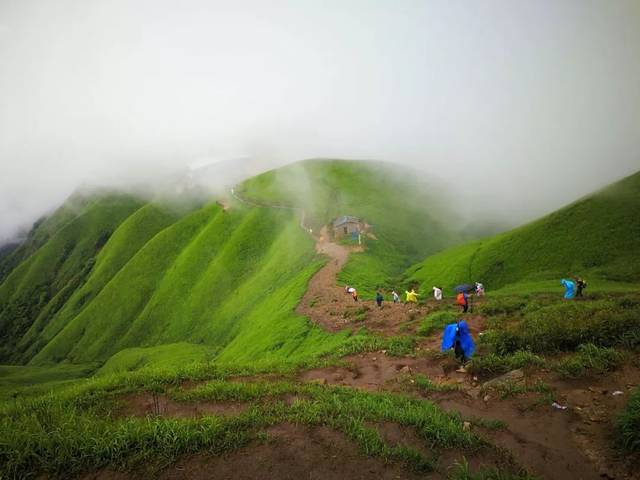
<point>597,237</point>
<point>409,217</point>
<point>40,284</point>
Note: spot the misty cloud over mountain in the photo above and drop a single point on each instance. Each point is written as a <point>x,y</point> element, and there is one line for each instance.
<point>519,107</point>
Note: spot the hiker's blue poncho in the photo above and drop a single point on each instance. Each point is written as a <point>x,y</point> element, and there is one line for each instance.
<point>569,288</point>
<point>466,342</point>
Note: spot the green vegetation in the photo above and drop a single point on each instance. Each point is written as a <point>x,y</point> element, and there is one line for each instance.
<point>78,428</point>
<point>589,360</point>
<point>436,321</point>
<point>16,379</point>
<point>492,363</point>
<point>222,284</point>
<point>40,285</point>
<point>407,217</point>
<point>565,326</point>
<point>595,237</point>
<point>424,383</point>
<point>628,423</point>
<point>161,356</point>
<point>512,389</point>
<point>462,471</point>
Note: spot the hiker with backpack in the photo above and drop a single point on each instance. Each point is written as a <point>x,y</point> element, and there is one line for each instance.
<point>457,336</point>
<point>462,299</point>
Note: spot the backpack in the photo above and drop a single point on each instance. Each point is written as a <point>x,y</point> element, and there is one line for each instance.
<point>460,300</point>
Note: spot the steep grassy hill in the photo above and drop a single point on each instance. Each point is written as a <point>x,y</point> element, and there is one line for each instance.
<point>117,274</point>
<point>408,216</point>
<point>597,236</point>
<point>41,283</point>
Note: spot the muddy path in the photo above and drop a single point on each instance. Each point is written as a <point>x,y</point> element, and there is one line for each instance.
<point>328,305</point>
<point>575,443</point>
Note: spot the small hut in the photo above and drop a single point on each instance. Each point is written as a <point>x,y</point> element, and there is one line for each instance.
<point>345,226</point>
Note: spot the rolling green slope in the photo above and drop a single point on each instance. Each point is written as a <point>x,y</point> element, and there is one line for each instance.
<point>42,230</point>
<point>597,237</point>
<point>407,215</point>
<point>227,280</point>
<point>41,283</point>
<point>128,238</point>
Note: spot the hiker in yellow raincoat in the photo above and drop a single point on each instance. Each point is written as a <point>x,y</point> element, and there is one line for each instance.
<point>412,296</point>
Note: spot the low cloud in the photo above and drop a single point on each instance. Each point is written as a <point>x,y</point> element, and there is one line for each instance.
<point>518,108</point>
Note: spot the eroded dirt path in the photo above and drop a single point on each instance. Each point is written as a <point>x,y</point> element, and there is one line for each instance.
<point>326,304</point>
<point>576,443</point>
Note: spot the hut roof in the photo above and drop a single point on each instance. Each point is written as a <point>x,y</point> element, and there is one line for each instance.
<point>345,219</point>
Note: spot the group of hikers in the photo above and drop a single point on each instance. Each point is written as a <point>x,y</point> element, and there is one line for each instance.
<point>411,296</point>
<point>457,336</point>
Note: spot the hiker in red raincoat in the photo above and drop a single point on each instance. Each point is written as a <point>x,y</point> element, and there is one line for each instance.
<point>462,299</point>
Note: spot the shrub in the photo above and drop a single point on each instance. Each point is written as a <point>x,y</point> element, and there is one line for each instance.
<point>436,321</point>
<point>563,327</point>
<point>400,346</point>
<point>493,363</point>
<point>503,306</point>
<point>628,423</point>
<point>590,359</point>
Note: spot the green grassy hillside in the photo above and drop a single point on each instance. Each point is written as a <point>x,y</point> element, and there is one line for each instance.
<point>41,284</point>
<point>597,237</point>
<point>123,276</point>
<point>217,278</point>
<point>127,239</point>
<point>408,216</point>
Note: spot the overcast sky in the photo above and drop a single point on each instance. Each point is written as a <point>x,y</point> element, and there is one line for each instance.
<point>523,104</point>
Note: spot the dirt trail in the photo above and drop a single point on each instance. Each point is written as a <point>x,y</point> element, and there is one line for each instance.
<point>327,305</point>
<point>575,443</point>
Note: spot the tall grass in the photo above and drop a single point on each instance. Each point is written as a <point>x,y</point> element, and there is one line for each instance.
<point>628,423</point>
<point>69,432</point>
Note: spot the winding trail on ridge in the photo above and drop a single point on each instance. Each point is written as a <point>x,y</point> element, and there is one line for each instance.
<point>322,290</point>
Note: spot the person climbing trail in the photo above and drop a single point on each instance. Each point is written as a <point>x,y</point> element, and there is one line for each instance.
<point>569,288</point>
<point>479,289</point>
<point>379,298</point>
<point>456,336</point>
<point>412,296</point>
<point>581,284</point>
<point>396,297</point>
<point>463,300</point>
<point>437,293</point>
<point>354,294</point>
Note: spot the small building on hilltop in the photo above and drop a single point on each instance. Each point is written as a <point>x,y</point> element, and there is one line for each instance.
<point>346,226</point>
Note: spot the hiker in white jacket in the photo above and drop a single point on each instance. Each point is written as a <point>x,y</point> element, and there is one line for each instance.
<point>437,293</point>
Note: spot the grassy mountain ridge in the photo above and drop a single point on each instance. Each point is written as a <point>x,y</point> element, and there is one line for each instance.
<point>597,236</point>
<point>409,217</point>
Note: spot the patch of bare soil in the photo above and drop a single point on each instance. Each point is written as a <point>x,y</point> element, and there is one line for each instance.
<point>376,371</point>
<point>148,404</point>
<point>576,443</point>
<point>596,408</point>
<point>291,453</point>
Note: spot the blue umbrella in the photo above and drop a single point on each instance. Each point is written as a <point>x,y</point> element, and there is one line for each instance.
<point>465,287</point>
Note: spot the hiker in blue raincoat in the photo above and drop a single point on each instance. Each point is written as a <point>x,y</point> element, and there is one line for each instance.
<point>569,288</point>
<point>457,336</point>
